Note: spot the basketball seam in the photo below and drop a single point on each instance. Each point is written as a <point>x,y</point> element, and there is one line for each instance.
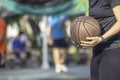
<point>87,18</point>
<point>92,24</point>
<point>84,20</point>
<point>86,28</point>
<point>78,31</point>
<point>79,41</point>
<point>74,39</point>
<point>88,22</point>
<point>93,27</point>
<point>73,27</point>
<point>73,32</point>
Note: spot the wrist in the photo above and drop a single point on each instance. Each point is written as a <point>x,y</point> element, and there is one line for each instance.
<point>102,38</point>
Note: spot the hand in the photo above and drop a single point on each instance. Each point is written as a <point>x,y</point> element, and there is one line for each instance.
<point>91,42</point>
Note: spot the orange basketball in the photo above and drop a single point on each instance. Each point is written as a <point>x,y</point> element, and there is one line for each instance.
<point>84,26</point>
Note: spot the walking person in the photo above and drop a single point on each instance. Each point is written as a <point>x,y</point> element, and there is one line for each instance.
<point>106,48</point>
<point>59,42</point>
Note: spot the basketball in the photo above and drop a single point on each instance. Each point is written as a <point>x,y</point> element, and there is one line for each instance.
<point>84,26</point>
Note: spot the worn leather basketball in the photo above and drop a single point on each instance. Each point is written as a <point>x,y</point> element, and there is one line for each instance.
<point>84,26</point>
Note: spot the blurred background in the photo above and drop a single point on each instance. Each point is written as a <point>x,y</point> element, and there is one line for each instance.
<point>33,41</point>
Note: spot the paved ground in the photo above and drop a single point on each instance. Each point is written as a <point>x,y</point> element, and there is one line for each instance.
<point>75,73</point>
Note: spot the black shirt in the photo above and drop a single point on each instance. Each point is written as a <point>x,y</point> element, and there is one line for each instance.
<point>102,11</point>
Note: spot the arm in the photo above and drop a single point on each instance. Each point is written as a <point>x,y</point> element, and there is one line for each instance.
<point>114,30</point>
<point>116,27</point>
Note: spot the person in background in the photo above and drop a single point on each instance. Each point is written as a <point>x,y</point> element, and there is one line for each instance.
<point>19,50</point>
<point>32,55</point>
<point>25,40</point>
<point>57,37</point>
<point>2,42</point>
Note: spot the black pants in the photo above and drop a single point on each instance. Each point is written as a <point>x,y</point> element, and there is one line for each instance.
<point>106,66</point>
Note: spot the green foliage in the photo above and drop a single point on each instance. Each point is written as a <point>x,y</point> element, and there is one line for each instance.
<point>11,20</point>
<point>85,4</point>
<point>74,52</point>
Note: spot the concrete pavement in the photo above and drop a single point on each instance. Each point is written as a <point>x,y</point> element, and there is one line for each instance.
<point>75,73</point>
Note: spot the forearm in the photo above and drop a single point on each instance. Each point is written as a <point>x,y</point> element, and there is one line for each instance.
<point>114,30</point>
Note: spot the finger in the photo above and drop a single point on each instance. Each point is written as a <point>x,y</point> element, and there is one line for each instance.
<point>90,38</point>
<point>87,42</point>
<point>86,45</point>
